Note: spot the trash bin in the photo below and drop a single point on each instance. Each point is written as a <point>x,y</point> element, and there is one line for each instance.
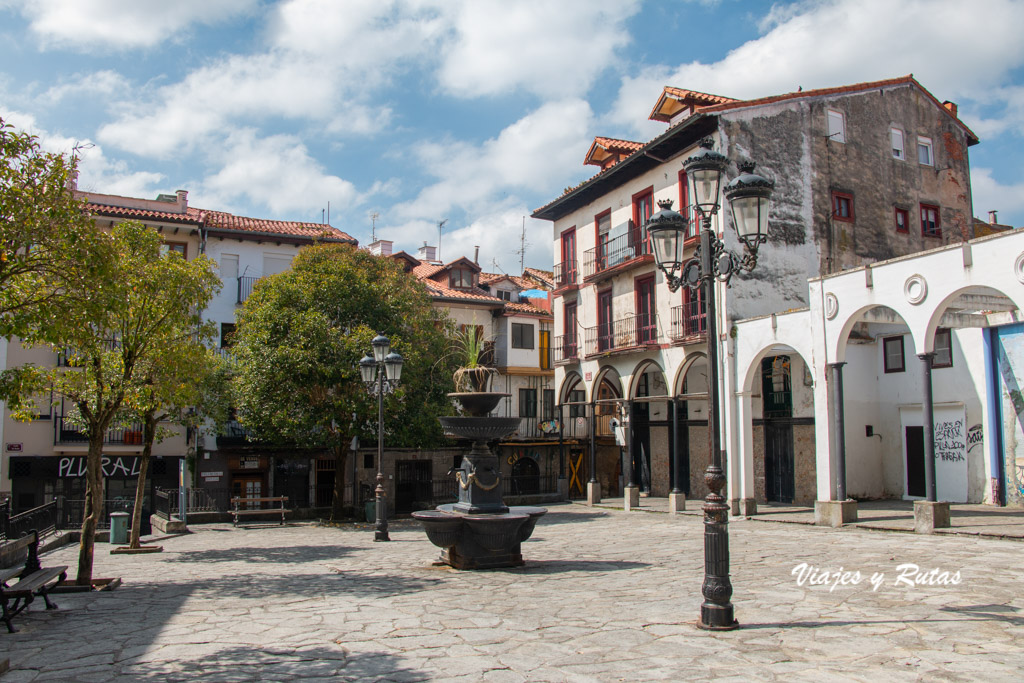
<point>119,527</point>
<point>371,510</point>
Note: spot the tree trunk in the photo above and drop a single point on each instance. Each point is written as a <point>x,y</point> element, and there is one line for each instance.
<point>148,436</point>
<point>338,498</point>
<point>93,506</point>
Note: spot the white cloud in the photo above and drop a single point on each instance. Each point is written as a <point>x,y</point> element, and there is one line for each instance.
<point>100,83</point>
<point>535,153</point>
<point>276,172</point>
<point>553,49</point>
<point>957,50</point>
<point>988,194</point>
<point>96,171</point>
<point>104,25</point>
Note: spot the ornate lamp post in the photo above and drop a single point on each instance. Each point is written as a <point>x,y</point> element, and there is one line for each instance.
<point>381,374</point>
<point>748,197</point>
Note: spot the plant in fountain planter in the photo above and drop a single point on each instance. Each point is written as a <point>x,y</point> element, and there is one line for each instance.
<point>472,375</point>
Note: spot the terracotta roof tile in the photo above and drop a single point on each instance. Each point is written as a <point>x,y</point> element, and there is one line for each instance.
<point>547,276</point>
<point>692,97</point>
<point>610,145</point>
<point>520,307</point>
<point>221,220</point>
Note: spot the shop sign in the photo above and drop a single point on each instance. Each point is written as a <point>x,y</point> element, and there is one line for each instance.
<point>14,448</point>
<point>213,474</point>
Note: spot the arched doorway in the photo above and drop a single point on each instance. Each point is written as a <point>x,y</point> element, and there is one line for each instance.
<point>575,432</point>
<point>692,425</point>
<point>650,431</point>
<point>607,404</point>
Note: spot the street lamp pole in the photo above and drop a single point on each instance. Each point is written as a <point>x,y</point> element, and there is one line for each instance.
<point>748,196</point>
<point>381,373</point>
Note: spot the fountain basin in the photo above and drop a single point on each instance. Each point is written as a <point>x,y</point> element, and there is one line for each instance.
<point>481,541</point>
<point>480,428</point>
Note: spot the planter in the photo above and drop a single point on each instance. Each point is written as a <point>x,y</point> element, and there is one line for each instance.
<point>475,379</point>
<point>125,550</point>
<point>97,585</point>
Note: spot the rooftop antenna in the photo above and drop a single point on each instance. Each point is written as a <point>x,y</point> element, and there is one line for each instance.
<point>328,212</point>
<point>440,224</point>
<point>373,228</point>
<point>523,244</point>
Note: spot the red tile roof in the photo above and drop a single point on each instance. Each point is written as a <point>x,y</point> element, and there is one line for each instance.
<point>223,221</point>
<point>529,309</point>
<point>692,97</point>
<point>546,276</point>
<point>613,146</point>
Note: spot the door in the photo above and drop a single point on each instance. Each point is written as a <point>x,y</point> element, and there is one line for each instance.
<point>247,487</point>
<point>604,320</point>
<point>577,473</point>
<point>568,275</point>
<point>915,461</point>
<point>569,347</point>
<point>544,347</point>
<point>642,445</point>
<point>780,482</point>
<point>646,329</point>
<point>413,485</point>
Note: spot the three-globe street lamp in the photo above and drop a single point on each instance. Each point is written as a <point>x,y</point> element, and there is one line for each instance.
<point>381,374</point>
<point>748,196</point>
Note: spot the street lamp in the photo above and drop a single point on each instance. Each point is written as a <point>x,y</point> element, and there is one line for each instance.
<point>381,373</point>
<point>749,196</point>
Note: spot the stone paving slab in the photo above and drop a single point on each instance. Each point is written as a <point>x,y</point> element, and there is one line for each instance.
<point>604,596</point>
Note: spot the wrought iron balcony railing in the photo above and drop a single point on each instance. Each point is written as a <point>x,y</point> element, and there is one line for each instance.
<point>626,333</point>
<point>245,285</point>
<point>566,273</point>
<point>64,433</point>
<point>567,349</point>
<point>621,251</point>
<point>689,321</point>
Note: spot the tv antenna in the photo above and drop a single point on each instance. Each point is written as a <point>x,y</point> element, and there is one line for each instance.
<point>440,224</point>
<point>373,226</point>
<point>523,244</point>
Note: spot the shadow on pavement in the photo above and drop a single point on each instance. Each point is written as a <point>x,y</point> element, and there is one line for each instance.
<point>553,517</point>
<point>277,664</point>
<point>257,554</point>
<point>564,566</point>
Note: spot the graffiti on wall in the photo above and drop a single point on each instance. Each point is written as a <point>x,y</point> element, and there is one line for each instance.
<point>950,441</point>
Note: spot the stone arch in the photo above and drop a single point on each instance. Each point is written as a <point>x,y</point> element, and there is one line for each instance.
<point>570,382</point>
<point>640,370</point>
<point>838,352</point>
<point>987,300</point>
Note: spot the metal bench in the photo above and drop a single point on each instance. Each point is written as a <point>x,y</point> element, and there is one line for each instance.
<point>237,512</point>
<point>32,579</point>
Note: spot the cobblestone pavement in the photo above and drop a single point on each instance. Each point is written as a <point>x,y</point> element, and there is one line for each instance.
<point>605,596</point>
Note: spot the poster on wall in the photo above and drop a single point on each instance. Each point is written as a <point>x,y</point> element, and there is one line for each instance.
<point>950,452</point>
<point>1009,352</point>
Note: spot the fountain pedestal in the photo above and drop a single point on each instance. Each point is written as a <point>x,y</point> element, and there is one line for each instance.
<point>479,531</point>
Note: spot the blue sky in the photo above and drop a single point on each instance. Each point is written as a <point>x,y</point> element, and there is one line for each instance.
<point>474,111</point>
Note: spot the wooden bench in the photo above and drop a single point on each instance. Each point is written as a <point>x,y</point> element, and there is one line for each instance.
<point>33,579</point>
<point>244,512</point>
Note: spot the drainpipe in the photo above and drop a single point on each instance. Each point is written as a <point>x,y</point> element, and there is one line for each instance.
<point>840,427</point>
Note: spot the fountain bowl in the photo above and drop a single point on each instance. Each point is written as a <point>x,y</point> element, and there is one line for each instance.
<point>478,403</point>
<point>480,428</point>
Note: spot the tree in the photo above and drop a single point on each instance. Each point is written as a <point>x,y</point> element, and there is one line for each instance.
<point>184,383</point>
<point>299,340</point>
<point>149,303</point>
<point>49,248</point>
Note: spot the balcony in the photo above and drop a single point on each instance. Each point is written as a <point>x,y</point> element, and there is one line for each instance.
<point>567,349</point>
<point>233,434</point>
<point>66,433</point>
<point>245,285</point>
<point>566,275</point>
<point>630,248</point>
<point>632,332</point>
<point>689,322</point>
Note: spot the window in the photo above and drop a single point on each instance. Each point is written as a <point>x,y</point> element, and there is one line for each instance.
<point>227,335</point>
<point>902,217</point>
<point>567,273</point>
<point>460,278</point>
<point>943,349</point>
<point>549,404</point>
<point>522,336</point>
<point>176,247</point>
<point>924,151</point>
<point>896,136</point>
<point>577,405</point>
<point>643,206</point>
<point>892,348</point>
<point>603,223</point>
<point>836,126</point>
<point>930,221</point>
<point>505,294</point>
<point>842,206</point>
<point>684,206</point>
<point>527,403</point>
<point>228,265</point>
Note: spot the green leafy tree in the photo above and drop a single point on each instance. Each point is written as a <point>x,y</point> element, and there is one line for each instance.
<point>183,383</point>
<point>300,338</point>
<point>151,302</point>
<point>49,248</point>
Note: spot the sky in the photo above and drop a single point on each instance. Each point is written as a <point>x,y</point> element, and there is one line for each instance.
<point>405,113</point>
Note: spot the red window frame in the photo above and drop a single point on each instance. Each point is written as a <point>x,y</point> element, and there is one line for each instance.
<point>568,256</point>
<point>685,209</point>
<point>570,347</point>
<point>897,212</point>
<point>605,311</point>
<point>695,312</point>
<point>837,201</point>
<point>600,250</point>
<point>638,199</point>
<point>646,323</point>
<point>936,230</point>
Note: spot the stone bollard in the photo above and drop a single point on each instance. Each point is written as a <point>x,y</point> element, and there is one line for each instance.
<point>631,498</point>
<point>835,513</point>
<point>676,503</point>
<point>930,515</point>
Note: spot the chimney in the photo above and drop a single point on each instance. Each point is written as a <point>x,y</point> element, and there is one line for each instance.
<point>381,248</point>
<point>182,199</point>
<point>427,253</point>
<point>950,107</point>
<point>993,219</point>
<point>476,255</point>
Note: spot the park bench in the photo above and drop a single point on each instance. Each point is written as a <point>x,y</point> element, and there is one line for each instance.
<point>237,511</point>
<point>33,579</point>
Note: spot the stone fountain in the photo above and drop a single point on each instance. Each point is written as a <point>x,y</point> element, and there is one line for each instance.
<point>479,531</point>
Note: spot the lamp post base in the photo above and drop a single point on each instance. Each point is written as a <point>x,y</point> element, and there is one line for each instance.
<point>717,618</point>
<point>381,531</point>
